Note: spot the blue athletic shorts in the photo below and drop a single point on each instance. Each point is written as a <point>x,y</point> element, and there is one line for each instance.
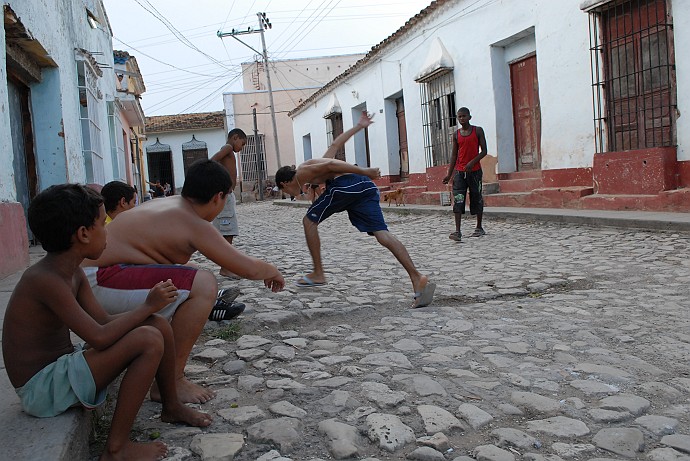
<point>356,194</point>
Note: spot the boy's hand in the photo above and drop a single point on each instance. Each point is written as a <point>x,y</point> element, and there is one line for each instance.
<point>373,173</point>
<point>275,284</point>
<point>162,294</point>
<point>446,179</point>
<point>365,120</point>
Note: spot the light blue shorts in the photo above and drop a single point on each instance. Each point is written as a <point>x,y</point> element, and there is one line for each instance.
<point>65,383</point>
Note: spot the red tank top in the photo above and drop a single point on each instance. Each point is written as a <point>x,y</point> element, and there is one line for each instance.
<point>468,148</point>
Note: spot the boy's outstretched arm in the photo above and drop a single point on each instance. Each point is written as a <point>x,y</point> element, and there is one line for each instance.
<point>364,121</point>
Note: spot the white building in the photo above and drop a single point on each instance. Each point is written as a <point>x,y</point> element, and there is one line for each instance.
<point>174,142</point>
<point>567,126</point>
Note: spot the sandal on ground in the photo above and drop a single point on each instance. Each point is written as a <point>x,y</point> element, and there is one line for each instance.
<point>306,282</point>
<point>225,311</point>
<point>457,236</point>
<point>423,298</point>
<point>478,232</point>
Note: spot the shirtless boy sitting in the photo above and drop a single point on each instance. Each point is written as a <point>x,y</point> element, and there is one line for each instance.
<point>348,188</point>
<point>54,297</point>
<point>153,241</point>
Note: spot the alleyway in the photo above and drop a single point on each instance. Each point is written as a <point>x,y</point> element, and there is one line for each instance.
<point>543,339</point>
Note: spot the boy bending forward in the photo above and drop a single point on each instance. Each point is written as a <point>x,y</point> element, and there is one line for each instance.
<point>53,297</point>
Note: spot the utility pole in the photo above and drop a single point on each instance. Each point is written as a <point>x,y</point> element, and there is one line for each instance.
<point>259,159</point>
<point>264,23</point>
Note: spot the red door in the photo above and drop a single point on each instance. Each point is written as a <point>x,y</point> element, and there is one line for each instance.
<point>526,113</point>
<point>402,138</point>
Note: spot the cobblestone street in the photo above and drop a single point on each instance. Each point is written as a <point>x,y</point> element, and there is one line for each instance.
<point>544,342</point>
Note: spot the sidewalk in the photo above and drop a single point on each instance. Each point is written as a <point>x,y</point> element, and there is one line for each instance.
<point>677,222</point>
<point>64,438</point>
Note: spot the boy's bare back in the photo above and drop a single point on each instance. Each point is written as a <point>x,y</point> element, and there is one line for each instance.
<point>33,334</point>
<point>158,232</point>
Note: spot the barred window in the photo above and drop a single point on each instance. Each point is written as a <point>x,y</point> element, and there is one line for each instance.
<point>117,140</point>
<point>334,128</point>
<point>90,116</point>
<point>438,118</point>
<point>253,160</point>
<point>633,75</point>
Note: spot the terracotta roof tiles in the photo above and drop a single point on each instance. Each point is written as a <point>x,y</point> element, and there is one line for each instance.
<point>181,122</point>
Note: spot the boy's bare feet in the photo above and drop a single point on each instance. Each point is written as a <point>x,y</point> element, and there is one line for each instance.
<point>135,451</point>
<point>181,413</point>
<point>187,392</point>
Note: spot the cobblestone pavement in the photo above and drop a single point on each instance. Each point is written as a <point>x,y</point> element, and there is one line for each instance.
<point>544,342</point>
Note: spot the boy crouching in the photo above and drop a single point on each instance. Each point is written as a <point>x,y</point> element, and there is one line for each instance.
<point>53,297</point>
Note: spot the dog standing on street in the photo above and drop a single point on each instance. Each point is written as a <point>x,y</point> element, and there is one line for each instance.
<point>398,195</point>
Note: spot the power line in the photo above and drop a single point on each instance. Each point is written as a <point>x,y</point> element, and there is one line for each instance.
<point>184,40</point>
<point>158,60</point>
<point>304,35</point>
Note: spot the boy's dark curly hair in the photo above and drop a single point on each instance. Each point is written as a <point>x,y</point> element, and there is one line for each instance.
<point>285,174</point>
<point>59,211</point>
<point>113,192</point>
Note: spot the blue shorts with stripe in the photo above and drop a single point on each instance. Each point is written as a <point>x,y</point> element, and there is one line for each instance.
<point>356,194</point>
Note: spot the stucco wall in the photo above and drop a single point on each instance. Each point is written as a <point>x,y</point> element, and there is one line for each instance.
<point>559,34</point>
<point>214,139</point>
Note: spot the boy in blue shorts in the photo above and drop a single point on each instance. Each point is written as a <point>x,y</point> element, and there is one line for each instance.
<point>53,297</point>
<point>348,188</point>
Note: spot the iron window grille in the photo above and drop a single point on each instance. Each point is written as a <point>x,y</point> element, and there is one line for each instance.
<point>253,161</point>
<point>90,116</point>
<point>633,75</point>
<point>117,148</point>
<point>438,118</point>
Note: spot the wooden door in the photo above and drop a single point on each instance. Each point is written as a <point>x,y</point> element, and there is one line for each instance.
<point>639,62</point>
<point>23,159</point>
<point>402,138</point>
<point>526,113</point>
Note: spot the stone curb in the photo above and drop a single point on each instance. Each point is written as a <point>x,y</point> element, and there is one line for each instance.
<point>649,220</point>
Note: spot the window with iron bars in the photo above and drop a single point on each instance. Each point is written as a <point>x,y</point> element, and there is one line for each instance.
<point>334,128</point>
<point>438,118</point>
<point>253,161</point>
<point>633,75</point>
<point>90,117</point>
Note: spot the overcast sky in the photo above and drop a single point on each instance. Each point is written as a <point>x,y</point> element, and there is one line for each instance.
<point>186,67</point>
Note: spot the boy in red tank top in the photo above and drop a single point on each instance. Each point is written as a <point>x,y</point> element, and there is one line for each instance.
<point>469,147</point>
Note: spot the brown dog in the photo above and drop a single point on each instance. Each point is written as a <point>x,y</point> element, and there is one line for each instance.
<point>398,195</point>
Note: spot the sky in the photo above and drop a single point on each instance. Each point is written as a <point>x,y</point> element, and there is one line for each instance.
<point>187,67</point>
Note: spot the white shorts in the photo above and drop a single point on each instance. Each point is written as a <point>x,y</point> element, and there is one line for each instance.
<point>124,287</point>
